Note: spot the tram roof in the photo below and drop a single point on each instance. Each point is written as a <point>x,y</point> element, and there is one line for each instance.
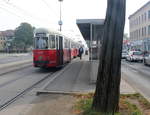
<point>45,30</point>
<point>51,31</point>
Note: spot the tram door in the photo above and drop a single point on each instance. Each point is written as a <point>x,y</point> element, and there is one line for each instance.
<point>60,49</point>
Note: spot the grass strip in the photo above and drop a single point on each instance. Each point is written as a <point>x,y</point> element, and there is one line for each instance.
<point>84,105</point>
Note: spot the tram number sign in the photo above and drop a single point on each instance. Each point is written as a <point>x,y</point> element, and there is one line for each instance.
<point>40,34</point>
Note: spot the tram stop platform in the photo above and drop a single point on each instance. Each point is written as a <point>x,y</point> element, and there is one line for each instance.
<point>79,76</point>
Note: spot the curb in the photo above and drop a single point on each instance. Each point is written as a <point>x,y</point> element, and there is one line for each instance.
<point>62,92</point>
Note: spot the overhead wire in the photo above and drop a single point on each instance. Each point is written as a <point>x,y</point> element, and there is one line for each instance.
<point>25,13</point>
<point>10,12</point>
<point>49,7</point>
<point>16,15</point>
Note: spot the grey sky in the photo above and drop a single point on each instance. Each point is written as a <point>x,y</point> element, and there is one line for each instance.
<point>45,13</point>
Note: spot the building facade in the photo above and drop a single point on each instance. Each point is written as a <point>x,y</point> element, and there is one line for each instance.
<point>6,38</point>
<point>139,25</point>
<point>2,42</point>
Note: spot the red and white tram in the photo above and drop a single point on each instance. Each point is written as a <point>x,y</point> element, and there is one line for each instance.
<point>52,49</point>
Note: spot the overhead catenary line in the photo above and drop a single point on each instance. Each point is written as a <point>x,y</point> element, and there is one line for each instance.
<point>14,14</point>
<point>48,6</point>
<point>25,12</point>
<point>10,12</point>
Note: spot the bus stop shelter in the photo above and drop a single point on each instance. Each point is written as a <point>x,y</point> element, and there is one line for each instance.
<point>92,31</point>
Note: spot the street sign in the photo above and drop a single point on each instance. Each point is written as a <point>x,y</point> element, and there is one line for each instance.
<point>60,22</point>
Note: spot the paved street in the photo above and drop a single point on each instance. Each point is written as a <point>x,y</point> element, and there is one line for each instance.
<point>138,75</point>
<point>8,58</point>
<point>13,83</point>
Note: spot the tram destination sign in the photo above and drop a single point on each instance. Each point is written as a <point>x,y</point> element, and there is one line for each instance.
<point>41,34</point>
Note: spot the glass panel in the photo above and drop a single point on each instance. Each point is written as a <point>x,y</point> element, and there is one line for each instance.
<point>52,41</point>
<point>41,42</point>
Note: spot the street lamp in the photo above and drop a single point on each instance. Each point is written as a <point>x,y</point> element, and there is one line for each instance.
<point>60,20</point>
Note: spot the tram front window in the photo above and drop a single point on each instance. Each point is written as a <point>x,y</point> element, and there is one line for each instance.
<point>41,43</point>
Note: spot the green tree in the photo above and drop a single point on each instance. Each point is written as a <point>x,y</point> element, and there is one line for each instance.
<point>23,36</point>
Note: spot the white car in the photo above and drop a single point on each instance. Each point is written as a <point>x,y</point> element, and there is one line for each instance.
<point>135,56</point>
<point>146,60</point>
<point>124,54</point>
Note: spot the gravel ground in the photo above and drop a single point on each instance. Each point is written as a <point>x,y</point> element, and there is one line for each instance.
<point>53,104</point>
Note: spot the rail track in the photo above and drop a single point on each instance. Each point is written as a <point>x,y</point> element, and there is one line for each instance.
<point>13,99</point>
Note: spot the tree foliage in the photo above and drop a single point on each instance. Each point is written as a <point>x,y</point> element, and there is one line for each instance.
<point>23,36</point>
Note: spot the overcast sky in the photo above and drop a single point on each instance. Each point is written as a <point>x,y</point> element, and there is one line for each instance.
<point>45,13</point>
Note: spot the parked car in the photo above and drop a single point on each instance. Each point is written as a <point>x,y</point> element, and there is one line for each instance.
<point>135,56</point>
<point>124,54</point>
<point>146,59</point>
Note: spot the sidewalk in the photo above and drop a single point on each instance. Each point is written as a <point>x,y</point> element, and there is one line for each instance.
<point>83,74</point>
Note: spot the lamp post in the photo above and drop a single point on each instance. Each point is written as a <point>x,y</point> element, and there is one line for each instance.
<point>60,20</point>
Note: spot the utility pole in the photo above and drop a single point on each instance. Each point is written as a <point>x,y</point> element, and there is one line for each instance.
<point>60,20</point>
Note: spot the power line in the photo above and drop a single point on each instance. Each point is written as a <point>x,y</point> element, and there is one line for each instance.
<point>12,13</point>
<point>48,6</point>
<point>27,14</point>
<point>24,12</point>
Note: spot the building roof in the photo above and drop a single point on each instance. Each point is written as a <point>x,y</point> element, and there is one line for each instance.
<point>139,9</point>
<point>7,33</point>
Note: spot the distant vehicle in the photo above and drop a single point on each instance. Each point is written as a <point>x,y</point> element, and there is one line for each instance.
<point>135,56</point>
<point>146,59</point>
<point>124,54</point>
<point>53,49</point>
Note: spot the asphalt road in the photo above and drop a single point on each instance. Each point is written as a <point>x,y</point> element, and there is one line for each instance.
<point>138,75</point>
<point>13,83</point>
<point>14,58</point>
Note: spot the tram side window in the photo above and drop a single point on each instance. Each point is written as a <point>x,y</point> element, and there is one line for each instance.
<point>65,43</point>
<point>52,41</point>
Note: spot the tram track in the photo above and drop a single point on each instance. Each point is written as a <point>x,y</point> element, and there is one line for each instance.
<point>13,99</point>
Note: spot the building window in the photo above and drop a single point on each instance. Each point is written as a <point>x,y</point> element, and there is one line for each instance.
<point>142,18</point>
<point>149,30</point>
<point>145,16</point>
<point>139,33</point>
<point>145,31</point>
<point>142,32</point>
<point>149,14</point>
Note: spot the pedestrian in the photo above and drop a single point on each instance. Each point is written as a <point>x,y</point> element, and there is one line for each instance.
<point>80,52</point>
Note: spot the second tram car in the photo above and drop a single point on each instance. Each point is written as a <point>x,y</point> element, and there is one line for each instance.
<point>52,49</point>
